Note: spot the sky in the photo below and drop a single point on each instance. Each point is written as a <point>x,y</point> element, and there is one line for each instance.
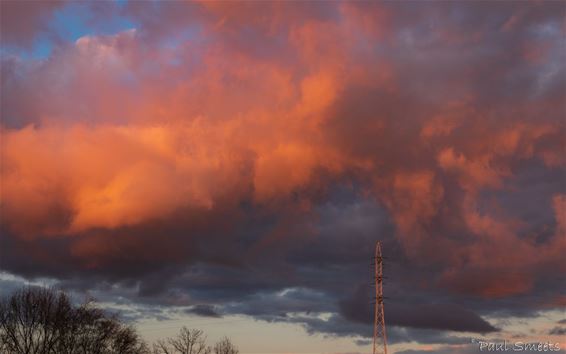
<point>229,166</point>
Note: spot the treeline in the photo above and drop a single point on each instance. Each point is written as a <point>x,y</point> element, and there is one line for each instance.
<point>37,320</point>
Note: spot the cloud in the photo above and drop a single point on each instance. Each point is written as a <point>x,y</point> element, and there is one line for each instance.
<point>432,316</point>
<point>37,14</point>
<point>457,349</point>
<point>204,311</point>
<point>557,331</point>
<point>235,158</point>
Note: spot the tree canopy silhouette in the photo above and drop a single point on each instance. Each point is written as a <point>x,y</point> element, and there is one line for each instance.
<point>192,341</point>
<point>225,346</point>
<point>188,341</point>
<point>37,320</point>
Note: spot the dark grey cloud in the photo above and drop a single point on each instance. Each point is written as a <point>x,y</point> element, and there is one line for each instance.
<point>557,331</point>
<point>432,316</point>
<point>468,349</point>
<point>204,311</point>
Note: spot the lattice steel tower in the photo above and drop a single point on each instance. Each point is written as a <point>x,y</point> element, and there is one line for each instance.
<point>379,335</point>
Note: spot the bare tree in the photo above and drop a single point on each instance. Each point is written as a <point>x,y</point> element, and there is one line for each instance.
<point>225,346</point>
<point>38,320</point>
<point>188,341</point>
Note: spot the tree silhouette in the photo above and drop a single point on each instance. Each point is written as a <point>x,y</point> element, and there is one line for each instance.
<point>225,346</point>
<point>188,341</point>
<point>43,321</point>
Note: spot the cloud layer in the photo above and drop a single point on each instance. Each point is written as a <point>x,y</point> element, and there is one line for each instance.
<point>231,156</point>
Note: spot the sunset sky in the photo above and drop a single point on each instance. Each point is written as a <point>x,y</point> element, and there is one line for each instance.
<point>229,166</point>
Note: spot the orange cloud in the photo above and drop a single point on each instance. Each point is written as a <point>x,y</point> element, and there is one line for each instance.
<point>127,130</point>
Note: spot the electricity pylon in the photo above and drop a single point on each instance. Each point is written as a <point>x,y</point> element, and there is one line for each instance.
<point>379,335</point>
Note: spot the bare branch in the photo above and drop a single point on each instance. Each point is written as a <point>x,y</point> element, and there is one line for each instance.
<point>44,321</point>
